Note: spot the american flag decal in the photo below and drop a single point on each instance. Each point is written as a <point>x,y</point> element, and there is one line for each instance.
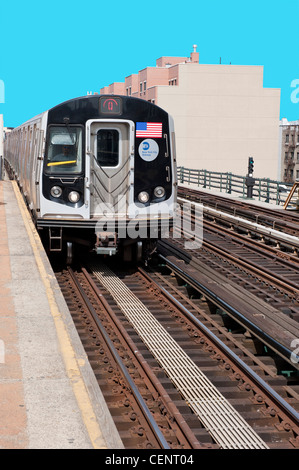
<point>149,129</point>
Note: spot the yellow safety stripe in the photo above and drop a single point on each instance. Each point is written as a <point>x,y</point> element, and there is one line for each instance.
<point>61,163</point>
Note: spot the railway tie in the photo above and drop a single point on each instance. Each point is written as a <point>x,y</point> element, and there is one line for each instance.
<point>223,422</point>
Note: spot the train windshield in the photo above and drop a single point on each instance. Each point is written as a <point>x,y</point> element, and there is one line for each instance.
<point>64,153</point>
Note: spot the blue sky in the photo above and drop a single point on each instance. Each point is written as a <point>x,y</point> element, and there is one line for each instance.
<point>58,50</point>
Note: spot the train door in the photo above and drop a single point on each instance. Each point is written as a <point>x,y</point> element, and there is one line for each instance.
<point>111,165</point>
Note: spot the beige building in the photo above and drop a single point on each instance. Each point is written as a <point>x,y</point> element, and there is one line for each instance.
<point>222,113</point>
<point>289,145</point>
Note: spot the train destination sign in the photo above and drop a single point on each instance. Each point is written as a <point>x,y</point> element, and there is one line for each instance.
<point>110,105</point>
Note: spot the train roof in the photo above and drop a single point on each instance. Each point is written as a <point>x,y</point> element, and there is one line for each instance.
<point>80,109</point>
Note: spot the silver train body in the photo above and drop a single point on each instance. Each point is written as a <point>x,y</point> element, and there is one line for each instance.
<point>97,171</point>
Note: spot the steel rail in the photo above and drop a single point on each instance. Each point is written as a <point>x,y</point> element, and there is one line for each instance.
<point>286,353</point>
<point>277,280</point>
<point>267,389</point>
<point>251,210</point>
<point>143,406</point>
<point>189,437</point>
<point>223,331</point>
<point>278,237</point>
<point>287,257</point>
<point>253,226</point>
<point>222,421</point>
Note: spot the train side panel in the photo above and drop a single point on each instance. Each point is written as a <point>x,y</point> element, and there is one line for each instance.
<point>23,151</point>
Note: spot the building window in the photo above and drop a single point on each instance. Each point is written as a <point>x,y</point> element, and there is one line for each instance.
<point>297,156</point>
<point>130,91</point>
<point>144,86</point>
<point>287,138</point>
<point>286,155</point>
<point>292,155</point>
<point>140,87</point>
<point>297,174</point>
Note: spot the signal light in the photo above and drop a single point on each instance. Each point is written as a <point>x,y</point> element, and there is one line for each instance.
<point>250,165</point>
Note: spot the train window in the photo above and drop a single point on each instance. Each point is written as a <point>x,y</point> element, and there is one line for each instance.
<point>108,147</point>
<point>64,153</point>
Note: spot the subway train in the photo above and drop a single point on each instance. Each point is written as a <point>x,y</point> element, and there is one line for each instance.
<point>98,171</point>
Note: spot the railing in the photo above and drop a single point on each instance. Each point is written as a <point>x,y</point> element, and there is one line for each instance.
<point>263,189</point>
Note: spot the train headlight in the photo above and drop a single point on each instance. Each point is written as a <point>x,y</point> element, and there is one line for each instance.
<point>159,191</point>
<point>56,191</point>
<point>143,197</point>
<point>74,196</point>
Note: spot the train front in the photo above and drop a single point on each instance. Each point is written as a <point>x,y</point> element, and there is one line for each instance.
<point>109,175</point>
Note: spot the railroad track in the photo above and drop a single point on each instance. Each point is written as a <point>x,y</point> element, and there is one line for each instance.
<point>139,403</point>
<point>264,270</point>
<point>194,390</point>
<point>276,219</point>
<point>270,277</point>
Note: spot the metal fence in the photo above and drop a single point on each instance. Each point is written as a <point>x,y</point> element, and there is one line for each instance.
<point>262,189</point>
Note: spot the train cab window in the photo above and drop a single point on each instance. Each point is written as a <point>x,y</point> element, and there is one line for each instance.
<point>64,153</point>
<point>108,147</point>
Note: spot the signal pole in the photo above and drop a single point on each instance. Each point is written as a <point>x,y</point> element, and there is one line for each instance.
<point>250,181</point>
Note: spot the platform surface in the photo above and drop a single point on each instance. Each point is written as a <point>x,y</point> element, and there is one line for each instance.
<point>49,398</point>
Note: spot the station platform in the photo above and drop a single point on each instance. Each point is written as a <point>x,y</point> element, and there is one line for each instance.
<point>49,398</point>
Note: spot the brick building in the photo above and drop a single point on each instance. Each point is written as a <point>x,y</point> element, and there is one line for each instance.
<point>289,144</point>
